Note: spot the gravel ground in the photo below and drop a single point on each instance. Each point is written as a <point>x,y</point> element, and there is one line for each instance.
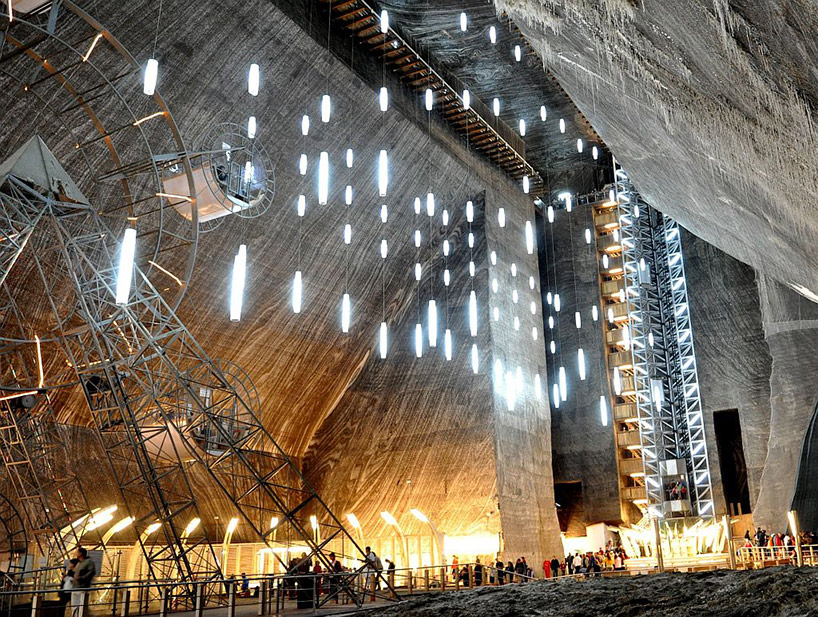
<point>774,591</point>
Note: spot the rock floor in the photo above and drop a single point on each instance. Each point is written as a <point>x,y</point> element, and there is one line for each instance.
<point>783,591</point>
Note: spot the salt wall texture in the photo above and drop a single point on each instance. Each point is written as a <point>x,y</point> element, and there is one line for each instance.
<point>364,426</point>
<point>791,328</point>
<point>584,451</point>
<point>732,355</point>
<point>708,104</point>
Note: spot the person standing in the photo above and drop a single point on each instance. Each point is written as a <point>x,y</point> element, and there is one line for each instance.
<point>501,571</point>
<point>555,567</point>
<point>334,569</point>
<point>478,573</point>
<point>546,568</point>
<point>84,573</point>
<point>577,563</point>
<point>569,562</point>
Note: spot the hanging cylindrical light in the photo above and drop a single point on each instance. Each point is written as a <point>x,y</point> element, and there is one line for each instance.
<point>418,272</point>
<point>384,213</point>
<point>445,248</point>
<point>432,323</point>
<point>495,105</point>
<point>557,302</point>
<point>594,313</point>
<point>347,234</point>
<point>550,214</point>
<point>492,34</point>
<point>301,206</point>
<point>553,347</point>
<point>514,296</point>
<point>580,146</point>
<point>493,258</point>
<point>473,313</point>
<point>469,211</point>
<point>534,333</point>
<point>417,238</point>
<point>501,217</point>
<point>617,381</point>
<point>494,285</point>
<point>384,21</point>
<point>495,312</point>
<point>253,79</point>
<point>297,291</point>
<point>531,282</point>
<point>626,337</point>
<point>526,185</point>
<point>475,358</point>
<point>430,203</point>
<point>516,323</point>
<point>603,410</point>
<point>150,77</point>
<point>466,99</point>
<point>518,53</point>
<point>127,253</point>
<point>430,99</point>
<point>326,108</point>
<point>587,236</point>
<point>581,363</point>
<point>348,195</point>
<point>563,384</point>
<point>471,240</point>
<point>382,342</point>
<point>384,249</point>
<point>418,340</point>
<point>550,322</point>
<point>323,179</point>
<point>305,125</point>
<point>464,22</point>
<point>237,283</point>
<point>529,237</point>
<point>562,125</point>
<point>595,152</point>
<point>543,113</point>
<point>346,313</point>
<point>251,127</point>
<point>302,164</point>
<point>350,157</point>
<point>383,173</point>
<point>447,344</point>
<point>555,396</point>
<point>445,217</point>
<point>522,127</point>
<point>446,277</point>
<point>383,98</point>
<point>417,205</point>
<point>578,319</point>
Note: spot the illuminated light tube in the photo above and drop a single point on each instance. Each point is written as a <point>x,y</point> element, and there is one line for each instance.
<point>650,339</point>
<point>383,98</point>
<point>384,21</point>
<point>513,269</point>
<point>430,99</point>
<point>432,323</point>
<point>418,340</point>
<point>526,185</point>
<point>471,268</point>
<point>555,397</point>
<point>417,238</point>
<point>383,173</point>
<point>617,381</point>
<point>494,285</point>
<point>469,211</point>
<point>495,105</point>
<point>605,261</point>
<point>249,172</point>
<point>475,359</point>
<point>346,313</point>
<point>350,157</point>
<point>348,195</point>
<point>347,233</point>
<point>581,363</point>
<point>323,178</point>
<point>537,386</point>
<point>594,313</point>
<point>417,205</point>
<point>553,347</point>
<point>127,252</point>
<point>384,213</point>
<point>533,306</point>
<point>534,333</point>
<point>384,249</point>
<point>445,217</point>
<point>543,113</point>
<point>531,282</point>
<point>418,271</point>
<point>237,283</point>
<point>464,22</point>
<point>587,236</point>
<point>626,337</point>
<point>297,291</point>
<point>516,323</point>
<point>515,297</point>
<point>251,127</point>
<point>446,248</point>
<point>150,77</point>
<point>447,344</point>
<point>562,125</point>
<point>522,129</point>
<point>253,79</point>
<point>471,240</point>
<point>466,99</point>
<point>302,164</point>
<point>550,322</point>
<point>326,108</point>
<point>473,313</point>
<point>305,125</point>
<point>557,302</point>
<point>446,277</point>
<point>501,217</point>
<point>496,313</point>
<point>550,214</point>
<point>580,146</point>
<point>595,154</point>
<point>563,384</point>
<point>578,319</point>
<point>603,410</point>
<point>610,315</point>
<point>430,204</point>
<point>549,297</point>
<point>382,340</point>
<point>493,257</point>
<point>518,53</point>
<point>301,207</point>
<point>529,237</point>
<point>493,35</point>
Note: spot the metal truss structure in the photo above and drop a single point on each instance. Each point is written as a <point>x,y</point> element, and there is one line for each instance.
<point>664,362</point>
<point>175,425</point>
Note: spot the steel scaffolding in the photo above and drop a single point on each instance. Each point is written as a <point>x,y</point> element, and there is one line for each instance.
<point>659,335</point>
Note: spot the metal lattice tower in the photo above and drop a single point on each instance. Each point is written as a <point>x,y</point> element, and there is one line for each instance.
<point>664,362</point>
<point>161,407</point>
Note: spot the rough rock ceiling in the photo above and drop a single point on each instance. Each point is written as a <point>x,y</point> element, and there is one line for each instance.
<point>709,105</point>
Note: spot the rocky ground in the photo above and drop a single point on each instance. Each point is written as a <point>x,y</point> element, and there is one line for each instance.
<point>783,591</point>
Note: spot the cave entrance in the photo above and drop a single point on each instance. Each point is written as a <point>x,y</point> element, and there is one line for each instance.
<point>570,508</point>
<point>727,426</point>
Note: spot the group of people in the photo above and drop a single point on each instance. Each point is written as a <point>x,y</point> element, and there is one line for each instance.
<point>77,577</point>
<point>609,559</point>
<point>762,539</point>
